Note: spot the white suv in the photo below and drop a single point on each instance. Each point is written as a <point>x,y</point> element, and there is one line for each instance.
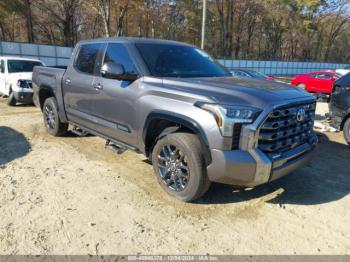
<point>16,79</point>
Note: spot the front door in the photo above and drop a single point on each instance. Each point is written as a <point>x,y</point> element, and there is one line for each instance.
<point>78,85</point>
<point>325,83</point>
<point>115,103</point>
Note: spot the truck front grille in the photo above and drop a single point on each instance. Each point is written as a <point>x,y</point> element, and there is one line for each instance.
<point>287,127</point>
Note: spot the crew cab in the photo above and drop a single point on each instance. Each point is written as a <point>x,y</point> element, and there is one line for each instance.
<point>185,112</point>
<point>16,79</point>
<point>316,82</point>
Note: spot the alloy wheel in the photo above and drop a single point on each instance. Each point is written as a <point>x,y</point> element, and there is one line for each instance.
<point>173,168</point>
<point>50,118</point>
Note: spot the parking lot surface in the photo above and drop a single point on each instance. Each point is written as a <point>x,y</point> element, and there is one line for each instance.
<point>71,196</point>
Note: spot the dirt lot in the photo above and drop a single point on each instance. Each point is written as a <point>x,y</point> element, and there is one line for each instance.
<point>71,196</point>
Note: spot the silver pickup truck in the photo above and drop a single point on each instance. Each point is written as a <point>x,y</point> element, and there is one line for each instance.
<point>172,102</point>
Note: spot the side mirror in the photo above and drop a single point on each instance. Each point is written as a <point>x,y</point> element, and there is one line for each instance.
<point>112,70</point>
<point>116,71</point>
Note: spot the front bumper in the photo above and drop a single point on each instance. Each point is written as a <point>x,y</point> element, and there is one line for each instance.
<point>24,97</point>
<point>250,169</point>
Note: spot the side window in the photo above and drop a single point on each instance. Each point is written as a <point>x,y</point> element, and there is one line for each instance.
<point>117,53</point>
<point>87,56</point>
<point>312,75</point>
<point>2,67</point>
<point>324,76</point>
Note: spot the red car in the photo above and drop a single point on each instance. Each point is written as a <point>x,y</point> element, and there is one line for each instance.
<point>316,82</point>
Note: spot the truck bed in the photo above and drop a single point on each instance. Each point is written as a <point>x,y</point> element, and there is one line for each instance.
<point>48,76</point>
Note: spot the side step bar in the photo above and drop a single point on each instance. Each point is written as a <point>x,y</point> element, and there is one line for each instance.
<point>116,149</point>
<point>79,132</point>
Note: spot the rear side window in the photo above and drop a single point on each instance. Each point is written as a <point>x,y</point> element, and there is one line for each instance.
<point>324,76</point>
<point>87,57</point>
<point>312,75</point>
<point>117,53</point>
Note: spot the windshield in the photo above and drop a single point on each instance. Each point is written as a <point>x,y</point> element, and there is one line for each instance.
<point>170,60</point>
<point>257,75</point>
<point>18,66</point>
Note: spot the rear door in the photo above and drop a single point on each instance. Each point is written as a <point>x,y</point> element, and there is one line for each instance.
<point>78,84</point>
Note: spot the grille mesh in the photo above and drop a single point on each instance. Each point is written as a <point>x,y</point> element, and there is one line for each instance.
<point>282,131</point>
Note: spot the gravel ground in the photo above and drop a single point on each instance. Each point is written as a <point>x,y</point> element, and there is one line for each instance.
<point>71,196</point>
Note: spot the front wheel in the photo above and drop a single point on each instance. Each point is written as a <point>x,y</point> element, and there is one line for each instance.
<point>11,100</point>
<point>53,124</point>
<point>179,164</point>
<point>346,131</point>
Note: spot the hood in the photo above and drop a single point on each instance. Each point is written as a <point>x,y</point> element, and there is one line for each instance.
<point>14,77</point>
<point>233,90</point>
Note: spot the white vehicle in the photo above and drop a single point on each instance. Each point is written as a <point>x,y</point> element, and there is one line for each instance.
<point>343,71</point>
<point>16,79</point>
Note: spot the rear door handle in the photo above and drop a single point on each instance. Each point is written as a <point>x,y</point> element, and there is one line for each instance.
<point>98,87</point>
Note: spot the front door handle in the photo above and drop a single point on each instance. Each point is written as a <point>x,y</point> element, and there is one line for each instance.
<point>67,81</point>
<point>98,87</point>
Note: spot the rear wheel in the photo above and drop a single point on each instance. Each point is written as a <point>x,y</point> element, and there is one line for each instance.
<point>346,131</point>
<point>179,164</point>
<point>302,86</point>
<point>53,124</point>
<point>11,100</point>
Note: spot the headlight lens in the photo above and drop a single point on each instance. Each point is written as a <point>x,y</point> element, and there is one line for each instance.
<point>227,115</point>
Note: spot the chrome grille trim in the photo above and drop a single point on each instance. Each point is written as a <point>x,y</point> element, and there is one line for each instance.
<point>281,131</point>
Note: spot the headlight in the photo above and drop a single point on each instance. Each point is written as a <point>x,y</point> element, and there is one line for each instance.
<point>24,83</point>
<point>227,115</point>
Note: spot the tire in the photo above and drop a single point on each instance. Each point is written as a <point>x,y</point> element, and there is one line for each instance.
<point>346,131</point>
<point>11,100</point>
<point>302,86</point>
<point>185,179</point>
<point>52,122</point>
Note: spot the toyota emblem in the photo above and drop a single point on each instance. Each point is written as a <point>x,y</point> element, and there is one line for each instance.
<point>301,114</point>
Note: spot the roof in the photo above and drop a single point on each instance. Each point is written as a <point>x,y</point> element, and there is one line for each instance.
<point>134,40</point>
<point>18,58</point>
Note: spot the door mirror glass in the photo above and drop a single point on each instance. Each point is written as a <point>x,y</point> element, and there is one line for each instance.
<point>116,71</point>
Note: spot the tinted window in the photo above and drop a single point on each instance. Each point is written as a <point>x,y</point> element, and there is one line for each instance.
<point>257,75</point>
<point>86,58</point>
<point>17,66</point>
<point>324,76</point>
<point>2,66</point>
<point>117,53</point>
<point>344,81</point>
<point>238,73</point>
<point>169,60</point>
<point>312,75</point>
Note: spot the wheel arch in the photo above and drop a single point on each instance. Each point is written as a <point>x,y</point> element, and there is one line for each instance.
<point>161,123</point>
<point>44,93</point>
<point>345,118</point>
